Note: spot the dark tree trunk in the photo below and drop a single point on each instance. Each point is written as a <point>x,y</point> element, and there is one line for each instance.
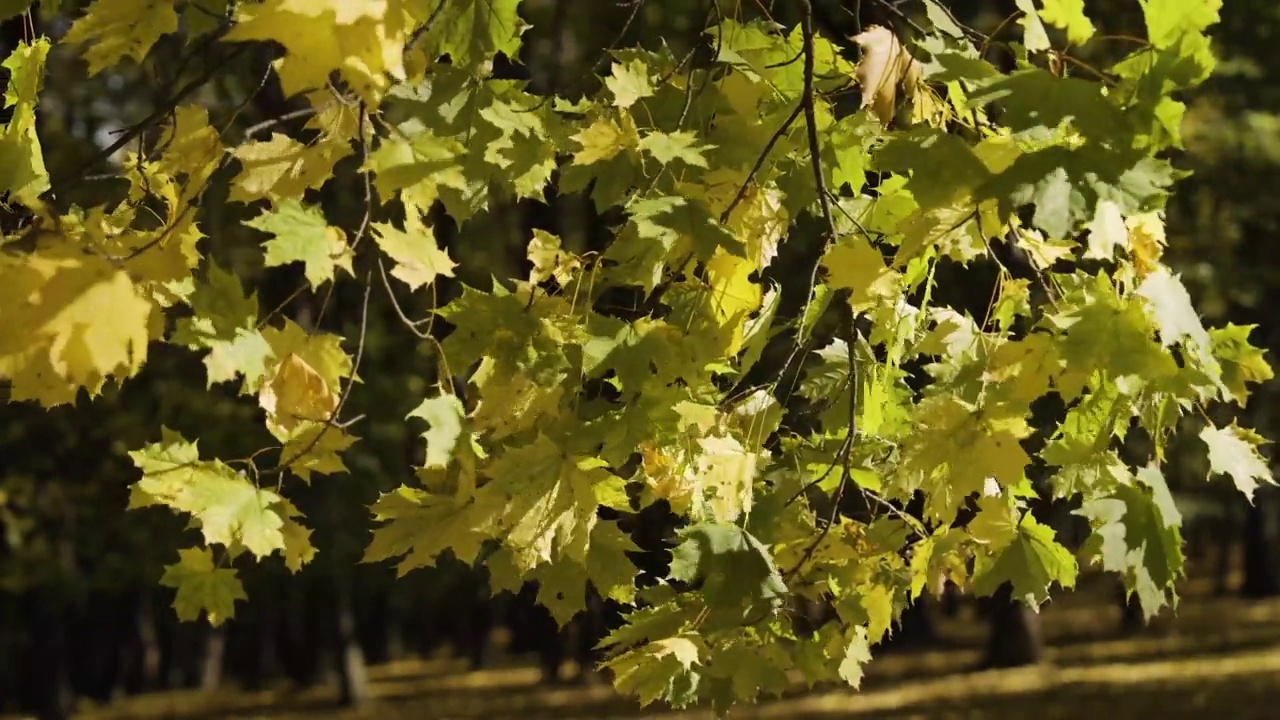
<point>212,658</point>
<point>1261,574</point>
<point>1131,617</point>
<point>1016,637</point>
<point>49,666</point>
<point>917,627</point>
<point>353,676</point>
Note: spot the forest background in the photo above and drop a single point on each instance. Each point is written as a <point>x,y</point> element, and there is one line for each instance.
<point>83,613</point>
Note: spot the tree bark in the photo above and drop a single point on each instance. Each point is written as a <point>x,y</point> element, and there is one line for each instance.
<point>353,676</point>
<point>1261,574</point>
<point>211,661</point>
<point>1016,637</point>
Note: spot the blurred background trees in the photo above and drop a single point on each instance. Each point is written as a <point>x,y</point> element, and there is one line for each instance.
<point>81,611</point>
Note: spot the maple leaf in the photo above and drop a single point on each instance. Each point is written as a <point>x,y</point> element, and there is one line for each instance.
<point>298,550</point>
<point>1169,20</point>
<point>283,168</point>
<point>629,82</point>
<point>116,29</point>
<point>296,393</point>
<point>1107,232</point>
<point>1241,362</point>
<point>658,670</point>
<point>418,526</point>
<point>302,235</point>
<point>682,145</point>
<point>362,40</point>
<point>737,572</point>
<point>202,587</point>
<point>314,447</point>
<point>1034,35</point>
<point>884,66</point>
<point>444,414</point>
<point>603,139</point>
<point>1171,308</point>
<point>419,260</point>
<point>471,33</point>
<point>549,260</point>
<point>419,163</point>
<point>854,264</point>
<point>321,352</point>
<point>22,170</point>
<point>1233,451</point>
<point>81,317</point>
<point>550,501</point>
<point>232,510</point>
<point>1136,535</point>
<point>1031,563</point>
<point>1068,15</point>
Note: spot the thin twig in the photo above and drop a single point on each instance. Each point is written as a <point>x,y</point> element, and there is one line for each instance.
<point>211,70</point>
<point>764,155</point>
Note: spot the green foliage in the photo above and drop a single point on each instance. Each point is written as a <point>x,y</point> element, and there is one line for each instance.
<point>754,400</point>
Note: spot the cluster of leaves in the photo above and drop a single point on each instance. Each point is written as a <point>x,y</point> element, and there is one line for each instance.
<point>579,410</point>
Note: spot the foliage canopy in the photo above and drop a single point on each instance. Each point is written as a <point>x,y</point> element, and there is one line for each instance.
<point>850,430</point>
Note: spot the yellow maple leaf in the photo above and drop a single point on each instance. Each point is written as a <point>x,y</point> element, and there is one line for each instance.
<point>362,39</point>
<point>191,147</point>
<point>855,264</point>
<point>116,29</point>
<point>77,315</point>
<point>419,259</point>
<point>282,167</point>
<point>1146,241</point>
<point>296,393</point>
<point>733,294</point>
<point>884,65</point>
<point>604,138</point>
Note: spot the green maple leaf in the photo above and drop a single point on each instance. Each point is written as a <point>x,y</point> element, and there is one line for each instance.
<point>220,307</point>
<point>472,32</point>
<point>418,526</point>
<point>1233,451</point>
<point>1031,563</point>
<point>1068,15</point>
<point>203,587</point>
<point>608,567</point>
<point>233,510</point>
<point>1169,20</point>
<point>302,235</point>
<point>661,670</point>
<point>737,572</point>
<point>444,414</point>
<point>247,354</point>
<point>682,145</point>
<point>298,550</point>
<point>1136,534</point>
<point>314,447</point>
<point>942,20</point>
<point>22,170</point>
<point>562,589</point>
<point>549,501</point>
<point>629,82</point>
<point>1241,362</point>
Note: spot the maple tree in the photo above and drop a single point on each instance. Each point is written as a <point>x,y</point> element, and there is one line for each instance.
<point>845,433</point>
